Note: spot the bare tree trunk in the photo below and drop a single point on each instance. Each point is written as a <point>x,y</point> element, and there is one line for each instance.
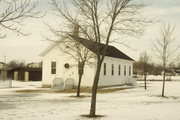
<point>80,78</point>
<point>145,87</point>
<point>94,92</point>
<point>79,84</point>
<point>164,79</point>
<point>144,59</point>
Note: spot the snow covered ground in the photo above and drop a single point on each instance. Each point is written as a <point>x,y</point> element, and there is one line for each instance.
<point>159,78</point>
<point>129,104</point>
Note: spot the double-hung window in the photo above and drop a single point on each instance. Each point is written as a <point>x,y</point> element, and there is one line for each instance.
<point>112,71</point>
<point>124,70</point>
<point>53,67</point>
<point>104,68</point>
<point>119,70</point>
<point>129,70</point>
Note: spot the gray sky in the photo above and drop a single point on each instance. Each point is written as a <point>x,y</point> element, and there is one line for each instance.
<point>28,48</point>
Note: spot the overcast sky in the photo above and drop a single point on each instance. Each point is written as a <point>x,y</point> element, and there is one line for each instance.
<point>28,48</point>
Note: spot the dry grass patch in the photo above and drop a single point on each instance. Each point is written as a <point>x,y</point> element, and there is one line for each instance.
<point>167,97</point>
<point>31,91</point>
<point>81,96</point>
<point>96,116</point>
<point>89,90</point>
<point>83,90</point>
<point>109,90</point>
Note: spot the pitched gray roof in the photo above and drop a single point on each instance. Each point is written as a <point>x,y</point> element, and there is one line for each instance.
<point>95,46</point>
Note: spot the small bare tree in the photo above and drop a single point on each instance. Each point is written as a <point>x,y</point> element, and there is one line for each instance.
<point>14,12</point>
<point>144,59</point>
<point>164,48</point>
<point>101,21</point>
<point>73,48</point>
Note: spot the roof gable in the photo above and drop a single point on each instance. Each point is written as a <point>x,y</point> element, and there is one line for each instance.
<point>94,47</point>
<point>48,49</point>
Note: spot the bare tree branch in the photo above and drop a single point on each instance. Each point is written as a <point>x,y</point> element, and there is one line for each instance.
<point>14,12</point>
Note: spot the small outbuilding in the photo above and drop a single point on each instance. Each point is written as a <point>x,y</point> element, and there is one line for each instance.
<point>177,71</point>
<point>26,74</point>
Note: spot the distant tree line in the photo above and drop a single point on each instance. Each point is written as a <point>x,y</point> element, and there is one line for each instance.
<point>19,63</point>
<point>15,63</point>
<point>152,68</point>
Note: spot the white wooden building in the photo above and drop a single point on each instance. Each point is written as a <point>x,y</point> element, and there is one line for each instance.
<point>117,68</point>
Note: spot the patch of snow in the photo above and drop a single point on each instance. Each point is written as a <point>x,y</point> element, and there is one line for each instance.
<point>129,104</point>
<point>18,85</point>
<point>159,78</point>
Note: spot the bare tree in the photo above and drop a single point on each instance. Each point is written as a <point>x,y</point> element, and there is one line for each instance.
<point>16,63</point>
<point>144,59</point>
<point>101,21</point>
<point>165,50</point>
<point>74,49</point>
<point>14,12</point>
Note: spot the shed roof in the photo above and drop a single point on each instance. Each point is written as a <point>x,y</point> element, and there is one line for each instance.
<point>26,69</point>
<point>177,70</point>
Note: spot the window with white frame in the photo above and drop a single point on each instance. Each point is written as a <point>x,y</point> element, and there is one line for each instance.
<point>104,68</point>
<point>53,67</point>
<point>112,69</point>
<point>124,70</point>
<point>119,70</point>
<point>129,70</point>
